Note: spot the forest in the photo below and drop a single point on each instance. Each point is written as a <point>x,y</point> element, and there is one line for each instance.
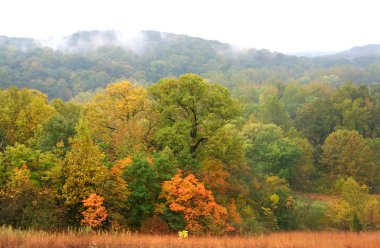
<point>187,138</point>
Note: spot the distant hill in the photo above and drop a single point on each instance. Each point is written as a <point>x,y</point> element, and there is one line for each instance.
<point>312,54</point>
<point>87,60</point>
<point>372,50</point>
<point>19,43</point>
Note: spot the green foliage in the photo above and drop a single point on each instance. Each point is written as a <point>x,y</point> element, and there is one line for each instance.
<point>316,120</point>
<point>39,163</point>
<point>250,223</point>
<point>144,190</point>
<point>175,220</point>
<point>272,110</point>
<point>144,178</point>
<point>270,152</point>
<point>191,111</point>
<point>84,66</point>
<point>278,209</point>
<point>357,109</point>
<point>60,127</point>
<point>304,168</point>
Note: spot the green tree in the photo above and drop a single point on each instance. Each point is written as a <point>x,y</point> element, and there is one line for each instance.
<point>144,188</point>
<point>356,108</point>
<point>316,120</point>
<point>269,152</point>
<point>60,127</point>
<point>274,203</point>
<point>304,168</point>
<point>39,163</point>
<point>294,97</point>
<point>191,111</point>
<point>272,110</point>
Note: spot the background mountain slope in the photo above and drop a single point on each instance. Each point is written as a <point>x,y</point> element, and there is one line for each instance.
<point>88,60</point>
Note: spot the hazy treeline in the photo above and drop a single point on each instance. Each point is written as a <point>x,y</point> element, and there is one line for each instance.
<point>184,154</point>
<point>86,61</point>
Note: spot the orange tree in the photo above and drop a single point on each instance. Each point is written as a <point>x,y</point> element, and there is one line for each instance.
<point>200,211</point>
<point>95,212</point>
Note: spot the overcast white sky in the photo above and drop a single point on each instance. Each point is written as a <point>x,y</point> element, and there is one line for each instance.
<point>278,25</point>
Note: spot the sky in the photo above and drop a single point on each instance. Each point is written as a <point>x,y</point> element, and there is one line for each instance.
<point>287,26</point>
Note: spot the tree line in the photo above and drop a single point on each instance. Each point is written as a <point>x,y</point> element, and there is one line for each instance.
<point>85,67</point>
<point>184,154</point>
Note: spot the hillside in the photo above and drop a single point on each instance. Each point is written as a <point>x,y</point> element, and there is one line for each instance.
<point>289,144</point>
<point>372,50</point>
<point>88,60</point>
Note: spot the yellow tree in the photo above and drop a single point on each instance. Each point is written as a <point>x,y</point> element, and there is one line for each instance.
<point>119,118</point>
<point>22,112</point>
<point>355,209</point>
<point>82,168</point>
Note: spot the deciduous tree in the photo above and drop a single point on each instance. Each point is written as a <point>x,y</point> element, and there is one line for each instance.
<point>191,111</point>
<point>269,152</point>
<point>346,154</point>
<point>82,168</point>
<point>201,213</point>
<point>95,213</point>
<point>120,118</point>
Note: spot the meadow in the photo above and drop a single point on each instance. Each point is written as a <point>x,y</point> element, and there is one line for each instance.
<point>15,238</point>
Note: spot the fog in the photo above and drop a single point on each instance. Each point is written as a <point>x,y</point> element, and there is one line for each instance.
<point>87,41</point>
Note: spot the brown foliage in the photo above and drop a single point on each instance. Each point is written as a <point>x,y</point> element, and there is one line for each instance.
<point>215,175</point>
<point>154,225</point>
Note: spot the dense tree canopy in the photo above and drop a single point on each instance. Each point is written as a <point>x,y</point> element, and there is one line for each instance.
<point>186,154</point>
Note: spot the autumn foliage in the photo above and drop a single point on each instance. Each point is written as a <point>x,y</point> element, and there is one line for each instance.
<point>95,213</point>
<point>184,155</point>
<point>190,197</point>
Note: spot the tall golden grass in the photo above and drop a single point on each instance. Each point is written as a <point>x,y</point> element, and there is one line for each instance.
<point>15,238</point>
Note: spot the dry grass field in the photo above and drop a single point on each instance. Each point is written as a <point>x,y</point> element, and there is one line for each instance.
<point>15,238</point>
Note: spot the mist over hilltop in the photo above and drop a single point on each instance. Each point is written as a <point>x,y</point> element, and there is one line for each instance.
<point>87,60</point>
